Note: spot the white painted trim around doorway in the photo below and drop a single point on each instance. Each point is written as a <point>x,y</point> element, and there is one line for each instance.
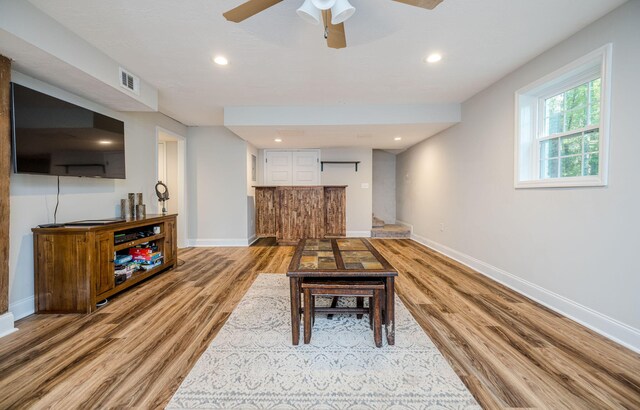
<point>183,240</point>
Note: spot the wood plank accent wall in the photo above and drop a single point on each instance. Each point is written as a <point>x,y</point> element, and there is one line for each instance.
<point>5,170</point>
<point>335,203</point>
<point>265,212</point>
<point>300,214</point>
<point>291,213</point>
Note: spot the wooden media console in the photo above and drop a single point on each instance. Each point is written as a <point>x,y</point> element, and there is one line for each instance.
<point>74,265</point>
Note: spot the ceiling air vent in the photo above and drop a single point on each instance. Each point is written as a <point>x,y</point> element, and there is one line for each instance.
<point>129,81</point>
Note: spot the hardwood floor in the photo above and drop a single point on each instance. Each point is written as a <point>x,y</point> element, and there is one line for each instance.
<point>135,351</point>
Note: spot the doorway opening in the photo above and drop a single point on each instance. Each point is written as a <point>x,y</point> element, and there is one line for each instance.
<point>171,170</point>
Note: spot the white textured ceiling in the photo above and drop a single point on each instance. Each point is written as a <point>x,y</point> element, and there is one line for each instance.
<point>278,59</point>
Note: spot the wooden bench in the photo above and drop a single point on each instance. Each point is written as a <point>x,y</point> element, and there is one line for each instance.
<point>373,289</point>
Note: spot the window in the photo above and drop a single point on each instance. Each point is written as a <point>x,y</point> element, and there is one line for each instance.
<point>562,126</point>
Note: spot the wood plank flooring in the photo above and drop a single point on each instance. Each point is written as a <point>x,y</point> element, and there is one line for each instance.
<point>135,351</point>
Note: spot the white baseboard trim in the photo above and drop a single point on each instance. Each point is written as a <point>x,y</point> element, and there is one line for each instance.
<point>608,327</point>
<point>209,243</point>
<point>408,225</point>
<point>358,234</point>
<point>252,239</point>
<point>23,307</point>
<point>6,324</point>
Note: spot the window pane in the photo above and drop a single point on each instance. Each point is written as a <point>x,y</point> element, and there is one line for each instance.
<point>591,162</point>
<point>571,166</point>
<point>554,105</point>
<point>554,114</point>
<point>576,101</point>
<point>571,145</point>
<point>592,141</point>
<point>555,123</point>
<point>576,118</point>
<point>595,102</point>
<point>549,148</point>
<point>549,168</point>
<point>576,97</point>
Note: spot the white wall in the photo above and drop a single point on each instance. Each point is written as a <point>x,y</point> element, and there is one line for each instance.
<point>359,198</point>
<point>384,186</point>
<point>217,186</point>
<point>251,204</point>
<point>572,249</point>
<point>33,197</point>
<point>76,64</point>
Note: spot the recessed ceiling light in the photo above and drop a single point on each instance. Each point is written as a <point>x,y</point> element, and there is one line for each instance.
<point>433,58</point>
<point>221,60</point>
<point>278,140</point>
<point>397,138</point>
<point>105,142</point>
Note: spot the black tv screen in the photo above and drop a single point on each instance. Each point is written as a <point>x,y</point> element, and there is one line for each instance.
<point>55,137</point>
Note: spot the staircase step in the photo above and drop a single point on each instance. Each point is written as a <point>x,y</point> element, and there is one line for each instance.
<point>391,231</point>
<point>377,222</point>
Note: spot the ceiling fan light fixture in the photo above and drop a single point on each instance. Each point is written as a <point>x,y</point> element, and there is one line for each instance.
<point>309,12</point>
<point>341,11</point>
<point>323,4</point>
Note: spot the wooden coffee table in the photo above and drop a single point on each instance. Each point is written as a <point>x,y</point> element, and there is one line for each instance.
<point>339,258</point>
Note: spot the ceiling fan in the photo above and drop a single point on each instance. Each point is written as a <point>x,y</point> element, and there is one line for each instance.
<point>333,13</point>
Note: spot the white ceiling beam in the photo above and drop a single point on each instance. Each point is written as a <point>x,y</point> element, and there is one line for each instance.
<point>342,115</point>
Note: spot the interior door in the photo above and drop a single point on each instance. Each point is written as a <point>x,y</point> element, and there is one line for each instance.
<point>305,168</point>
<point>278,168</point>
<point>292,167</point>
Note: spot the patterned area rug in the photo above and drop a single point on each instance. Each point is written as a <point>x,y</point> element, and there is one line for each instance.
<point>251,364</point>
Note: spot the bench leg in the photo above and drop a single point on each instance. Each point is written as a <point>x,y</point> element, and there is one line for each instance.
<point>334,303</point>
<point>295,310</point>
<point>307,316</point>
<point>371,313</point>
<point>360,304</point>
<point>377,318</point>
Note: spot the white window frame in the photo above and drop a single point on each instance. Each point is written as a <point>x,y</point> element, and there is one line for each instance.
<point>529,124</point>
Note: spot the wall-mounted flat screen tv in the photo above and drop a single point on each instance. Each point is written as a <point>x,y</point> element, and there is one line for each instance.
<point>55,137</point>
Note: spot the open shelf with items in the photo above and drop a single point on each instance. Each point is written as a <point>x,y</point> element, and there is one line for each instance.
<point>132,244</point>
<point>75,266</point>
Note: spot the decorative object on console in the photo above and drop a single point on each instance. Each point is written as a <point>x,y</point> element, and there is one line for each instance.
<point>141,211</point>
<point>132,204</point>
<point>162,191</point>
<point>125,210</point>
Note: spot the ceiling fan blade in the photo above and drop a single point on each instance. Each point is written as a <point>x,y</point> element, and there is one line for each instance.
<point>248,9</point>
<point>335,32</point>
<point>425,4</point>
